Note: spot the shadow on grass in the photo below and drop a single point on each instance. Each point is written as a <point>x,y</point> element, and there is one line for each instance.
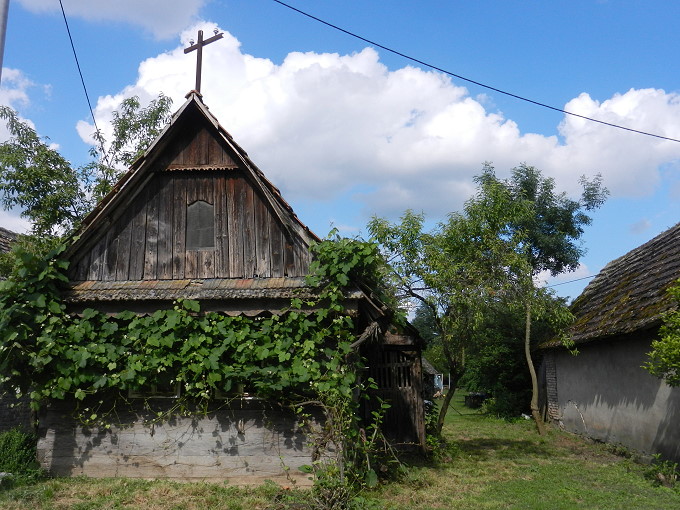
<point>506,449</point>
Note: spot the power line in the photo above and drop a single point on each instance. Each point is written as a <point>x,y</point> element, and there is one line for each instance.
<point>82,80</point>
<point>489,87</point>
<point>572,281</point>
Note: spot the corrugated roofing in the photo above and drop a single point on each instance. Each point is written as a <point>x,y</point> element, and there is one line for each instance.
<point>629,294</point>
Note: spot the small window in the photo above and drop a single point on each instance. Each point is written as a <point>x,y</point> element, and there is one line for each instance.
<point>200,226</point>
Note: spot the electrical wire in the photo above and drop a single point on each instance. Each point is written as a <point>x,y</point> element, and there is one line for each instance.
<point>82,80</point>
<point>572,281</point>
<point>489,87</point>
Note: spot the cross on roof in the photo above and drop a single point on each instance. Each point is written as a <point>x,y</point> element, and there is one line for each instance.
<point>199,54</point>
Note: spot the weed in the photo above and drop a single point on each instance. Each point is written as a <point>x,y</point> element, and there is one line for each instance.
<point>663,472</point>
<point>18,457</point>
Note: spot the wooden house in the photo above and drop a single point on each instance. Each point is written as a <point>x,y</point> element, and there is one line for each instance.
<point>433,380</point>
<point>194,218</point>
<point>603,392</point>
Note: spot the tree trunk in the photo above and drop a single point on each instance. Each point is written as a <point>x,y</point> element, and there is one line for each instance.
<point>453,384</point>
<point>540,426</point>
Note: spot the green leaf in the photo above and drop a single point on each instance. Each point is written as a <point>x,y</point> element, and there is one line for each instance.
<point>89,313</point>
<point>54,307</point>
<point>371,479</point>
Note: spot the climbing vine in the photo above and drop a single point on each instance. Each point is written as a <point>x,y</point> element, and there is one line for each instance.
<point>52,354</point>
<point>302,354</point>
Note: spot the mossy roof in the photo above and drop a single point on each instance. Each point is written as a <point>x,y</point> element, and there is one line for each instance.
<point>7,238</point>
<point>630,293</point>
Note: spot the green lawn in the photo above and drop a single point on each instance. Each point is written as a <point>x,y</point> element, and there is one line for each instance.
<point>496,464</point>
<point>488,464</point>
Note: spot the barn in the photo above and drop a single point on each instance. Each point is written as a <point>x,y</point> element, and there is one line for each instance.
<point>194,218</point>
<point>603,392</point>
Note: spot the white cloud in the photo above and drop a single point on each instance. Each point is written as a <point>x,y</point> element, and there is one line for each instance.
<point>12,221</point>
<point>641,226</point>
<point>163,18</point>
<point>324,124</point>
<point>14,88</point>
<point>628,161</point>
<point>13,93</point>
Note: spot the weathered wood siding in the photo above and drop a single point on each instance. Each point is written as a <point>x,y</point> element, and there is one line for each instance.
<point>237,445</point>
<point>144,237</point>
<point>398,376</point>
<point>147,241</point>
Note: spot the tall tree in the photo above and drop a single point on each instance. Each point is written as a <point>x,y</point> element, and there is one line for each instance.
<point>454,270</point>
<point>546,227</point>
<point>48,190</point>
<point>508,232</point>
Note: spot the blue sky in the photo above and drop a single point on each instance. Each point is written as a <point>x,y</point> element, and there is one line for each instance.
<point>348,131</point>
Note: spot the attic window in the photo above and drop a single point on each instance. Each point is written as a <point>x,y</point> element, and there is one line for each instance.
<point>200,226</point>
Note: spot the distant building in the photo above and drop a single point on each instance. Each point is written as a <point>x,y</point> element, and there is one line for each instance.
<point>7,238</point>
<point>603,392</point>
<point>433,380</point>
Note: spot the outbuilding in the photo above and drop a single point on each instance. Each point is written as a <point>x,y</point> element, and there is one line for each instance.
<point>603,392</point>
<point>195,219</point>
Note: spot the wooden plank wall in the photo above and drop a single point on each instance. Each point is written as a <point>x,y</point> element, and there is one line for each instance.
<point>238,445</point>
<point>398,377</point>
<point>147,241</point>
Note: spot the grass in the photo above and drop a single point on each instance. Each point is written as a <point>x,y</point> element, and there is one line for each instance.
<point>487,464</point>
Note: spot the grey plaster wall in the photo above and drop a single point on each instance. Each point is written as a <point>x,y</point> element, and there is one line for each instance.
<point>604,393</point>
<point>241,446</point>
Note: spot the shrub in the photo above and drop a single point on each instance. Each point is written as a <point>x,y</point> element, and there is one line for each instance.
<point>663,472</point>
<point>18,455</point>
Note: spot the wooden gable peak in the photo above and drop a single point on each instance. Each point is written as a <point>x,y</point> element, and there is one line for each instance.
<point>156,157</point>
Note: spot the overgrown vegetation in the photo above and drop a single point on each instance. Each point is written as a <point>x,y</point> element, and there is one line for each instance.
<point>18,458</point>
<point>302,357</point>
<point>496,365</point>
<point>663,472</point>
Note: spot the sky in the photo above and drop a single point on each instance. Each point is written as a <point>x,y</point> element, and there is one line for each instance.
<point>348,130</point>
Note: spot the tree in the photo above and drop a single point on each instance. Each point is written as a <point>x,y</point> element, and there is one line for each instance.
<point>547,230</point>
<point>455,271</point>
<point>50,192</point>
<point>508,233</point>
<point>497,365</point>
<point>664,359</point>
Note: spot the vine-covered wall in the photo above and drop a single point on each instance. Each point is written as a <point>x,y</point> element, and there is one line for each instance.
<point>93,363</point>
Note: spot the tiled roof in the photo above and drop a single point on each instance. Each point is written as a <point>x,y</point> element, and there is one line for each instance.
<point>629,294</point>
<point>7,237</point>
